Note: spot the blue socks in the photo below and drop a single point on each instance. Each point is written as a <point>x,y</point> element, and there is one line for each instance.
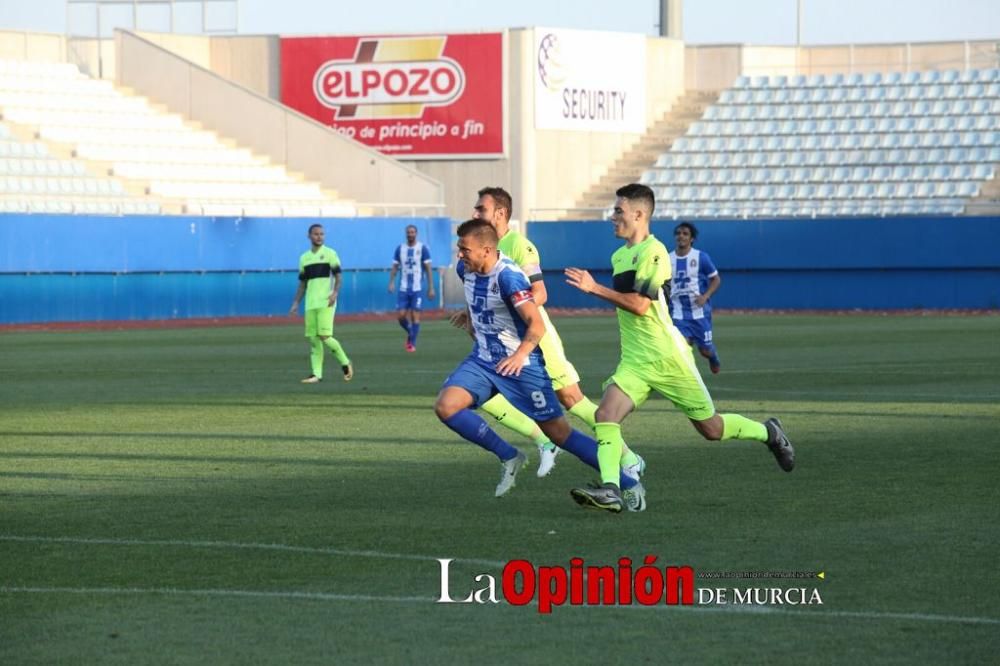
<point>412,330</point>
<point>472,427</point>
<point>585,449</point>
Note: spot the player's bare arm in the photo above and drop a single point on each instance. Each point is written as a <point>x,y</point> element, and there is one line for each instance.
<point>294,310</point>
<point>713,286</point>
<point>392,277</point>
<point>337,280</point>
<point>430,279</point>
<point>632,302</point>
<point>539,292</point>
<point>463,320</point>
<point>512,365</point>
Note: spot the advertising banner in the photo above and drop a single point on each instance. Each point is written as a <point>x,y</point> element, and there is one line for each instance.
<point>590,81</point>
<point>412,97</point>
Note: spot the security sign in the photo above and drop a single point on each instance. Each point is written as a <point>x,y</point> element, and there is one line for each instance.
<point>418,97</point>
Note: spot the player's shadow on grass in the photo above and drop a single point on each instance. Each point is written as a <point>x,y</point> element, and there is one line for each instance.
<point>276,460</point>
<point>425,403</point>
<point>236,437</point>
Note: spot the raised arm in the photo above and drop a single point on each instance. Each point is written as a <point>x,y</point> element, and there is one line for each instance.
<point>632,302</point>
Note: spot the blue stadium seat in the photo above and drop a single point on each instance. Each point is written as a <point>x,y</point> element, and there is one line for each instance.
<point>867,192</point>
<point>946,190</point>
<point>895,93</point>
<point>967,190</point>
<point>982,172</point>
<point>942,172</point>
<point>886,190</point>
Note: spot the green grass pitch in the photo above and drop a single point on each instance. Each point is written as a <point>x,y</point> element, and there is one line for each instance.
<point>176,496</point>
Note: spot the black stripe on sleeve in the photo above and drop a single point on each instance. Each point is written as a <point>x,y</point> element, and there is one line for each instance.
<point>624,283</point>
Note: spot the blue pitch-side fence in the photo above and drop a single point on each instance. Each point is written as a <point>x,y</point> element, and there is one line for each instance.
<point>77,268</point>
<point>867,263</point>
<point>73,268</point>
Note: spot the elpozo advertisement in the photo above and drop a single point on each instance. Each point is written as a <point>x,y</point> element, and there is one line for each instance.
<point>412,96</point>
<point>590,81</point>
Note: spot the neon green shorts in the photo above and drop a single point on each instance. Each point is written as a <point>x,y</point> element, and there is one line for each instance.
<point>675,377</point>
<point>560,370</point>
<point>319,321</point>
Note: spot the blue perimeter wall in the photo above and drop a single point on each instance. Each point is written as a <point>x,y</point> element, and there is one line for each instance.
<point>79,268</point>
<point>82,268</point>
<point>866,263</point>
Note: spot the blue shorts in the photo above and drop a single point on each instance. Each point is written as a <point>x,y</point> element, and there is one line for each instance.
<point>409,300</point>
<point>698,331</point>
<point>531,393</point>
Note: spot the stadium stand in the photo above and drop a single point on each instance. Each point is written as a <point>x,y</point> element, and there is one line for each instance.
<point>836,145</point>
<point>149,161</point>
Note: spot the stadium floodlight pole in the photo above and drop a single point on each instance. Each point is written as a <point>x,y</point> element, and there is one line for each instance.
<point>798,22</point>
<point>670,18</point>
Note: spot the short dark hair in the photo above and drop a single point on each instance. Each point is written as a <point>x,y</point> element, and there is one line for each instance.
<point>481,229</point>
<point>313,226</point>
<point>638,193</point>
<point>411,226</point>
<point>690,227</point>
<point>501,197</point>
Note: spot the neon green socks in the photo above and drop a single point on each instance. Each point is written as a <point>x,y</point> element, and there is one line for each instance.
<point>609,451</point>
<point>316,356</point>
<point>500,408</point>
<point>735,426</point>
<point>586,411</point>
<point>337,350</point>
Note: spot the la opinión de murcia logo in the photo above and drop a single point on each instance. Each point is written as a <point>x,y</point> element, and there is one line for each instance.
<point>521,583</point>
<point>648,584</point>
<point>383,77</point>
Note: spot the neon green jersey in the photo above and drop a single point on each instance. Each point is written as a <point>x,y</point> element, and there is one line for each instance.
<point>523,252</point>
<point>315,269</point>
<point>644,269</point>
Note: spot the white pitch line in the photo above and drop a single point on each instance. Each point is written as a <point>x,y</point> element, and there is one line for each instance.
<point>328,596</point>
<point>312,596</point>
<point>374,554</point>
<point>323,596</point>
<point>894,397</point>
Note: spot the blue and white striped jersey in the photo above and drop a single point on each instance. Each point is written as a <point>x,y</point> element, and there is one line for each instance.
<point>690,279</point>
<point>493,299</point>
<point>411,260</point>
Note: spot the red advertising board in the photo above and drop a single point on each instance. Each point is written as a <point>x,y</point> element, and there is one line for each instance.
<point>413,96</point>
